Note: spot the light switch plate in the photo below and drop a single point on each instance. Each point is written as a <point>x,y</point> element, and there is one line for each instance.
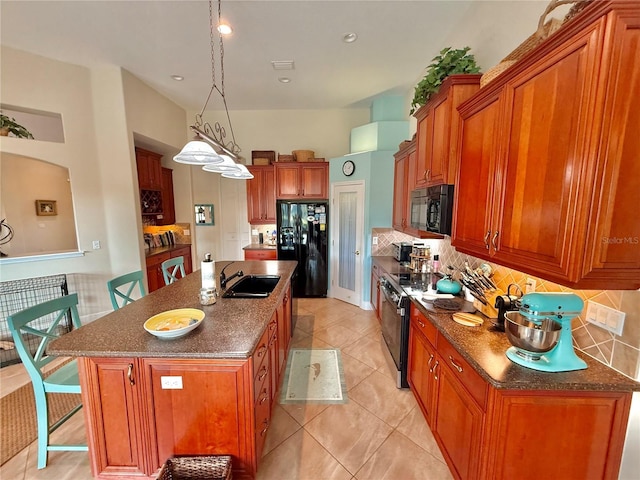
<point>605,317</point>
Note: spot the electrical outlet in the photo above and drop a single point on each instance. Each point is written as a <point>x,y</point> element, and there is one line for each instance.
<point>530,285</point>
<point>96,245</point>
<point>374,240</point>
<point>171,383</point>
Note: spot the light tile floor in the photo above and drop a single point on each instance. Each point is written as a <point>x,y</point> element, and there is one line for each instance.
<point>379,434</point>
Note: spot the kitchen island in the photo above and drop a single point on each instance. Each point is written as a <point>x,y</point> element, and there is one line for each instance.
<point>210,392</point>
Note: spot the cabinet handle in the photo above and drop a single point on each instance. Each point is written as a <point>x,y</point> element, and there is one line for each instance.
<point>424,175</point>
<point>420,323</point>
<point>130,375</point>
<point>429,364</point>
<point>264,397</point>
<point>264,371</point>
<point>435,373</point>
<point>486,239</point>
<point>266,427</point>
<point>261,350</point>
<point>455,365</point>
<point>272,325</point>
<point>427,175</point>
<point>493,241</point>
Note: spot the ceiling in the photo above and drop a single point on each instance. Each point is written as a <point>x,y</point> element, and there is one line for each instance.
<point>156,39</point>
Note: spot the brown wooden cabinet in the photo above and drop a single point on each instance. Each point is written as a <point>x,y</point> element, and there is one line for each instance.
<point>484,432</point>
<point>403,178</point>
<point>308,180</point>
<point>261,195</point>
<point>437,131</point>
<point>141,411</point>
<point>149,169</point>
<point>375,289</point>
<point>261,254</point>
<point>168,204</point>
<point>548,160</point>
<point>155,278</point>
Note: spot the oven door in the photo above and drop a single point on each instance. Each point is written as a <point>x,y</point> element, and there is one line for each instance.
<point>391,321</point>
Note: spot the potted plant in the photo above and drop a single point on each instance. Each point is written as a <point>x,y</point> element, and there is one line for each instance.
<point>448,62</point>
<point>9,125</point>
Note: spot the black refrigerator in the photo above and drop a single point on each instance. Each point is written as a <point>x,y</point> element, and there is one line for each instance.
<point>303,232</point>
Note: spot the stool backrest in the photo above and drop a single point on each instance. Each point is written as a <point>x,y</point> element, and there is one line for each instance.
<point>173,269</point>
<point>122,289</point>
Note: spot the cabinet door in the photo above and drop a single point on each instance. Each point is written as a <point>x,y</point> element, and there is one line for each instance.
<point>314,181</point>
<point>422,361</point>
<point>287,181</point>
<point>399,193</point>
<point>548,110</point>
<point>458,424</point>
<point>254,196</point>
<point>424,131</point>
<point>155,279</point>
<point>112,399</point>
<point>268,194</point>
<point>440,133</point>
<point>614,230</point>
<point>375,290</point>
<point>475,182</point>
<point>168,206</point>
<point>149,168</point>
<point>202,407</point>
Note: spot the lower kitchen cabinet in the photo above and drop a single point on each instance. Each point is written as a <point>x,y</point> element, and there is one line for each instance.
<point>491,433</point>
<point>375,289</point>
<point>261,254</point>
<point>155,278</point>
<point>142,411</point>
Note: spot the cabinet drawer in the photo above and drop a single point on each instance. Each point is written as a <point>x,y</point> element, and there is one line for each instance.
<point>260,366</point>
<point>270,254</point>
<point>423,324</point>
<point>467,375</point>
<point>262,414</point>
<point>154,260</point>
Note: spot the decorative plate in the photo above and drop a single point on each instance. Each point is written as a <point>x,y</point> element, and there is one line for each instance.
<point>174,323</point>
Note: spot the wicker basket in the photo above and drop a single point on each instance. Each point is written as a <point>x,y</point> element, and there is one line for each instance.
<point>263,157</point>
<point>286,158</point>
<point>545,30</point>
<point>206,467</point>
<point>303,155</point>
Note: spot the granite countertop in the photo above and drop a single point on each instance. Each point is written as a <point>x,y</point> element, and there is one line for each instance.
<point>231,328</point>
<point>260,246</point>
<point>485,351</point>
<point>149,252</point>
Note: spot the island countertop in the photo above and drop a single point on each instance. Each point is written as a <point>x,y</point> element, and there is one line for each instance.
<point>231,327</point>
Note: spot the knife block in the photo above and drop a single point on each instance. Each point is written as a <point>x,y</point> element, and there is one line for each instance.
<point>489,310</point>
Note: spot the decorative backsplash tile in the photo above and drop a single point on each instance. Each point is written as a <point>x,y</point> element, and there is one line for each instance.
<point>621,352</point>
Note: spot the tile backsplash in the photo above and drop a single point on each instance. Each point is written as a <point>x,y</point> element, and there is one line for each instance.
<point>621,352</point>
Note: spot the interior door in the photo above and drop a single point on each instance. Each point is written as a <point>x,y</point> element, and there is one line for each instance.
<point>347,241</point>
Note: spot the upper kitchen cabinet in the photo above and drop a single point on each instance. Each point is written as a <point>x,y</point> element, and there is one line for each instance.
<point>169,211</point>
<point>261,195</point>
<point>296,180</point>
<point>438,129</point>
<point>403,178</point>
<point>149,169</point>
<point>549,178</point>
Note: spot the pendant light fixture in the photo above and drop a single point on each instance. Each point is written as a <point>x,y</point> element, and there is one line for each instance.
<point>210,146</point>
<point>242,174</point>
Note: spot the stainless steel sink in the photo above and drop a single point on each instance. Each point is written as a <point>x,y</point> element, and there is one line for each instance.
<point>252,286</point>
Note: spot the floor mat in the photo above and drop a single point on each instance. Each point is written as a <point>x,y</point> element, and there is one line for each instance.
<point>314,376</point>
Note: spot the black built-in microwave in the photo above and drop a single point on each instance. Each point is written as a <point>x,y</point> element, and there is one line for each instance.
<point>432,209</point>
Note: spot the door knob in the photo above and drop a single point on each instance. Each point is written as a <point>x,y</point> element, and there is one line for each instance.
<point>357,252</point>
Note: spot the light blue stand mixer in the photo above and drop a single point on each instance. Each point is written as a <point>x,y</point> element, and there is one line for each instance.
<point>540,332</point>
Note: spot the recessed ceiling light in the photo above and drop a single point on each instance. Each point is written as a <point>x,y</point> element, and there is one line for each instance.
<point>225,29</point>
<point>177,78</point>
<point>284,79</point>
<point>349,37</point>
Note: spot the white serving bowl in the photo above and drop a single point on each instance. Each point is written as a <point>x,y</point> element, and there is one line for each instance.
<point>174,323</point>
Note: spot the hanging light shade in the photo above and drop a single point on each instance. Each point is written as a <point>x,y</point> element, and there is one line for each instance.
<point>227,165</point>
<point>243,173</point>
<point>197,152</point>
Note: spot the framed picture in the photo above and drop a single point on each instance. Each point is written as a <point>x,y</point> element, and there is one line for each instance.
<point>46,207</point>
<point>204,214</point>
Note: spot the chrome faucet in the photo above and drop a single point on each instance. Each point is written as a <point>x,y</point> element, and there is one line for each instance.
<point>224,279</point>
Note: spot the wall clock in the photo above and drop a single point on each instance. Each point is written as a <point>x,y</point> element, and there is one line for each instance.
<point>348,168</point>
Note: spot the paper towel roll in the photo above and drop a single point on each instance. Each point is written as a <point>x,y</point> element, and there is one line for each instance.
<point>207,270</point>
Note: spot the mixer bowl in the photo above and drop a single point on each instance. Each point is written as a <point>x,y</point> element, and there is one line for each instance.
<point>535,337</point>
